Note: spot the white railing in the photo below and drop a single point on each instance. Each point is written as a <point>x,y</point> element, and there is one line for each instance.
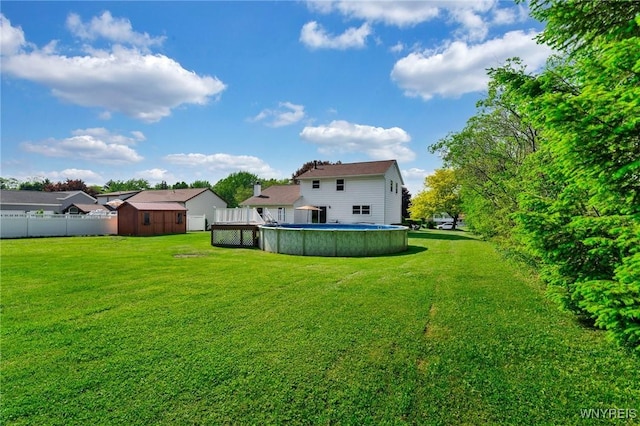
<point>20,225</point>
<point>244,215</point>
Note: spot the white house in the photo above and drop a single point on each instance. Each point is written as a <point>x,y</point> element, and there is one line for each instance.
<point>346,193</point>
<point>198,201</point>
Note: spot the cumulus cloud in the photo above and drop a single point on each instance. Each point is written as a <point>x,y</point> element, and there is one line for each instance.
<point>473,17</point>
<point>88,176</point>
<point>398,13</point>
<point>118,30</point>
<point>223,163</point>
<point>95,145</point>
<point>110,79</point>
<point>155,175</point>
<point>344,137</point>
<point>314,36</point>
<point>11,38</point>
<point>461,68</point>
<point>286,114</point>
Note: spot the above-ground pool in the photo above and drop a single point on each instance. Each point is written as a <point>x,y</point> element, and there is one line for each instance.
<point>333,239</point>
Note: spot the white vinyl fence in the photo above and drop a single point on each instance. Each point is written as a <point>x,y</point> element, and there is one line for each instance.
<point>20,225</point>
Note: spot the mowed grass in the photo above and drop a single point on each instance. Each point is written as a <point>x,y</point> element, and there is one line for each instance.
<point>170,330</point>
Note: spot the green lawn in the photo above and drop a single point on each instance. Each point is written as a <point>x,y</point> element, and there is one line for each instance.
<point>170,330</point>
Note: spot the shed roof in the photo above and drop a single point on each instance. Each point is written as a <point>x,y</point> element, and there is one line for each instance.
<point>170,206</point>
<point>276,195</point>
<point>367,168</point>
<point>164,195</point>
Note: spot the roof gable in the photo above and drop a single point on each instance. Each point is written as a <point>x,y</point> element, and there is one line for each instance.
<point>368,168</point>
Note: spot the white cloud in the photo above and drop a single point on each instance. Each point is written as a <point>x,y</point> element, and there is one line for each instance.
<point>473,17</point>
<point>95,145</point>
<point>223,163</point>
<point>111,138</point>
<point>111,79</point>
<point>313,35</point>
<point>156,175</point>
<point>377,142</point>
<point>286,114</point>
<point>398,13</point>
<point>414,179</point>
<point>397,48</point>
<point>462,68</point>
<point>11,38</point>
<point>89,177</point>
<point>117,30</point>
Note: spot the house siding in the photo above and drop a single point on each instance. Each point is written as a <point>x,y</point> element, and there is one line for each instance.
<point>393,199</point>
<point>357,191</point>
<point>205,204</point>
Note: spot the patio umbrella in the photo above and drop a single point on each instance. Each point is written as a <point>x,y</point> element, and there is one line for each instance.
<point>308,208</point>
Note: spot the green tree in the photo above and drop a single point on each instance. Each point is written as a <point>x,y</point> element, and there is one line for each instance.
<point>236,187</point>
<point>180,185</point>
<point>36,184</point>
<point>488,156</point>
<point>581,213</point>
<point>129,185</point>
<point>441,194</point>
<point>9,183</point>
<point>200,184</point>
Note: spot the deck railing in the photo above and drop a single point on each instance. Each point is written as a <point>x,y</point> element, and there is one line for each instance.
<point>239,215</point>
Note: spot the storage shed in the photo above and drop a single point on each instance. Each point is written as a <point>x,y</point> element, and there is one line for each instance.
<point>145,219</point>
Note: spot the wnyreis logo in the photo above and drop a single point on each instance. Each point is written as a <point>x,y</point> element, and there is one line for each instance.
<point>608,413</point>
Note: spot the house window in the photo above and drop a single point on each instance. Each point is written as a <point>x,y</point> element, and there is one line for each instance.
<point>146,218</point>
<point>396,187</point>
<point>180,218</point>
<point>315,184</point>
<point>391,187</point>
<point>339,184</point>
<point>281,214</point>
<point>365,210</point>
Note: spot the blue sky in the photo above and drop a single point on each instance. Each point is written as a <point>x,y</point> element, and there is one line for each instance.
<point>185,91</point>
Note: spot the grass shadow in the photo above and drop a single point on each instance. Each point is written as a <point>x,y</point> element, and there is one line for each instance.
<point>440,235</point>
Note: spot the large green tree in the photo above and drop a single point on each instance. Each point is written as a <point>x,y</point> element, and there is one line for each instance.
<point>441,194</point>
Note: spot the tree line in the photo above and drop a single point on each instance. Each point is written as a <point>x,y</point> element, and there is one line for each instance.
<point>549,166</point>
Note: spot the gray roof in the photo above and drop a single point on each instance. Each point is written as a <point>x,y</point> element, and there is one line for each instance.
<point>37,198</point>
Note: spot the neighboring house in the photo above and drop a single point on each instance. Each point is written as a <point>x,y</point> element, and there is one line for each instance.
<point>198,201</point>
<point>78,208</point>
<point>114,196</point>
<point>348,193</point>
<point>280,200</point>
<point>41,201</point>
<point>144,219</point>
